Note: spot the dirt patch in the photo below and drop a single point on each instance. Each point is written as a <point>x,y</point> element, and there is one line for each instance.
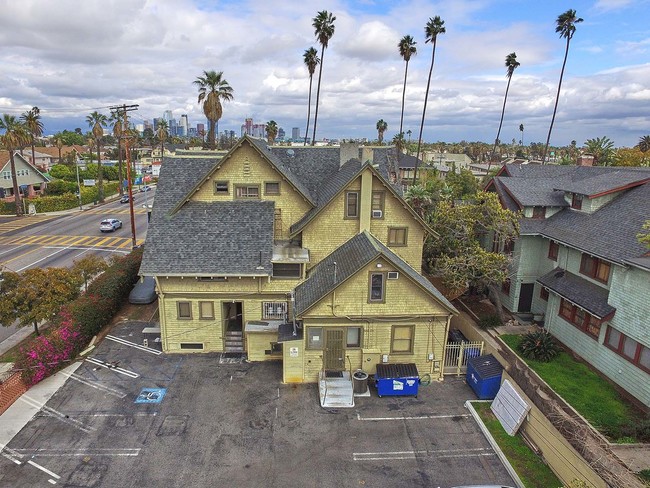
<point>479,305</point>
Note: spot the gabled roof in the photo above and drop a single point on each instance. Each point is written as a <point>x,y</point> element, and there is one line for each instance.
<point>261,147</point>
<point>408,161</point>
<point>337,182</point>
<point>578,291</point>
<point>5,163</point>
<point>350,258</point>
<point>531,192</point>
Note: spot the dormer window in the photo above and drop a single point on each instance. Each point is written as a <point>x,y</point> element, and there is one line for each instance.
<point>539,212</point>
<point>576,201</point>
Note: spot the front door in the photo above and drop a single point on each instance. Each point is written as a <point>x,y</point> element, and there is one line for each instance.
<point>525,297</point>
<point>334,357</point>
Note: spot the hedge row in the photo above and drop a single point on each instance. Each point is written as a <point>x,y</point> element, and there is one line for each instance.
<point>59,203</point>
<point>79,321</point>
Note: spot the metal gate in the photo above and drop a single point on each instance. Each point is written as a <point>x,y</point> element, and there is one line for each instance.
<point>458,353</point>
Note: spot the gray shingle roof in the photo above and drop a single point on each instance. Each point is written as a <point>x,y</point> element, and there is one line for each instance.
<point>312,165</point>
<point>579,291</point>
<point>610,232</point>
<point>605,182</point>
<point>350,258</point>
<point>408,161</point>
<point>211,239</point>
<point>530,192</point>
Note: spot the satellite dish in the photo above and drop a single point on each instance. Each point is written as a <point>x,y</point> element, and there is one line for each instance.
<point>291,152</point>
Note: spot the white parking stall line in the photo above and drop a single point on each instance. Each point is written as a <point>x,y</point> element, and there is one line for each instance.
<point>121,452</point>
<point>10,454</point>
<point>438,454</point>
<point>112,367</point>
<point>420,417</point>
<point>134,345</point>
<point>56,414</point>
<point>45,470</point>
<point>103,388</point>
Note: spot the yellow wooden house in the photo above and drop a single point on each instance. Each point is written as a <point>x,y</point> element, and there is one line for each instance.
<point>308,255</point>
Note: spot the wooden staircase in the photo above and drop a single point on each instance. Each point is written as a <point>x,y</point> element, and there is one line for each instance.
<point>234,341</point>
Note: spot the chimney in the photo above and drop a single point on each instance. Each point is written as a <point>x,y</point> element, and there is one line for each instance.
<point>586,160</point>
<point>367,154</point>
<point>349,150</point>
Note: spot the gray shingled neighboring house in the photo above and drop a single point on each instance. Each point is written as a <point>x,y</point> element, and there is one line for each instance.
<point>578,265</point>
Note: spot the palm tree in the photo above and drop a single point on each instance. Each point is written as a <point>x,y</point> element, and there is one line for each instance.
<point>644,144</point>
<point>15,135</point>
<point>434,27</point>
<point>511,65</point>
<point>407,49</point>
<point>602,149</point>
<point>521,129</point>
<point>213,88</point>
<point>565,26</point>
<point>271,131</point>
<point>323,25</point>
<point>58,142</point>
<point>97,122</point>
<point>311,60</point>
<point>381,128</point>
<point>32,121</point>
<point>162,133</point>
<point>117,118</point>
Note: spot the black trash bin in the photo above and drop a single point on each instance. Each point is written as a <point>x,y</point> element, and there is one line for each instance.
<point>359,382</point>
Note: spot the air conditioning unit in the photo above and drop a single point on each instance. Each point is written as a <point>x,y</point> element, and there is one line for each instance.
<point>393,275</point>
<point>377,214</point>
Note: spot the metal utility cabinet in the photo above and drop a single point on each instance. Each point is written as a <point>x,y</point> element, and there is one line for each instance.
<point>397,379</point>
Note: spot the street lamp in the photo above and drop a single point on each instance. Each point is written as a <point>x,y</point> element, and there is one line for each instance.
<point>78,185</point>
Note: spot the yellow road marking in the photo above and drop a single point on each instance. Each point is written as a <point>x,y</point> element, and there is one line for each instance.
<point>39,241</point>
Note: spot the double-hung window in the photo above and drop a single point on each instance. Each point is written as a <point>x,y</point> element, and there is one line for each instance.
<point>377,292</point>
<point>352,205</point>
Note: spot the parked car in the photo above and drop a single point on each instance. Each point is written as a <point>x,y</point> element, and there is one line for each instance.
<point>125,198</point>
<point>110,225</point>
<point>145,188</point>
<point>144,291</point>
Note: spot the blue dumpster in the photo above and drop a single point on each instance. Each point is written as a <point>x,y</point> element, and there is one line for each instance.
<point>397,379</point>
<point>484,376</point>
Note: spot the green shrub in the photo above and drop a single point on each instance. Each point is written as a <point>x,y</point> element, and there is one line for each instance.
<point>489,321</point>
<point>60,187</point>
<point>638,429</point>
<point>540,346</point>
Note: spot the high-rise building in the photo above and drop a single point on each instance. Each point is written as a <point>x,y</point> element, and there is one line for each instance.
<point>295,133</point>
<point>167,116</point>
<point>200,129</point>
<point>183,126</point>
<point>281,134</point>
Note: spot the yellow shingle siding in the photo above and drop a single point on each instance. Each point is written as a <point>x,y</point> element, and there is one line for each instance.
<point>247,167</point>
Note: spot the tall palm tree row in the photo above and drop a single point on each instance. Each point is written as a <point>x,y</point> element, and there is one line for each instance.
<point>271,131</point>
<point>311,60</point>
<point>97,121</point>
<point>16,134</point>
<point>323,25</point>
<point>511,65</point>
<point>381,128</point>
<point>434,27</point>
<point>213,89</point>
<point>32,121</point>
<point>566,27</point>
<point>407,49</point>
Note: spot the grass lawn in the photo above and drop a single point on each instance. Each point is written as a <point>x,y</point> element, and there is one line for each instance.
<point>528,465</point>
<point>592,396</point>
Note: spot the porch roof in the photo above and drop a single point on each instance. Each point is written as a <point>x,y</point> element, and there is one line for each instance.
<point>579,291</point>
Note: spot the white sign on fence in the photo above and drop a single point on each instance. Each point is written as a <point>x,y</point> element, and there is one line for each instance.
<point>89,182</point>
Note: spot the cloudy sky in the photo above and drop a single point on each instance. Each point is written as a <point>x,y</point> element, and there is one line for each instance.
<point>70,57</point>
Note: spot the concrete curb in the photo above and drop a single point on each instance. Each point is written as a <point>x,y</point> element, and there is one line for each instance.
<point>511,471</point>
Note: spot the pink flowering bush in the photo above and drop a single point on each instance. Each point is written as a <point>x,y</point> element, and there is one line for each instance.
<point>79,321</point>
<point>51,351</point>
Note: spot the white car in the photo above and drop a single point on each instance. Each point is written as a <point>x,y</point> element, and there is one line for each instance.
<point>110,225</point>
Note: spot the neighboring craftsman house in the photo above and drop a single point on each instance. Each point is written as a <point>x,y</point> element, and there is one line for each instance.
<point>30,180</point>
<point>304,254</point>
<point>578,265</point>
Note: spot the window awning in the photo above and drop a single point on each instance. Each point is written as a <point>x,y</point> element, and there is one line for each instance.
<point>579,291</point>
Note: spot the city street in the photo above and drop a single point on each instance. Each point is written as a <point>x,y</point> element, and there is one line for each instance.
<point>47,240</point>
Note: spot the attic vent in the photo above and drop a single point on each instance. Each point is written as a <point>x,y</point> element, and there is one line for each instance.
<point>247,168</point>
<point>393,275</point>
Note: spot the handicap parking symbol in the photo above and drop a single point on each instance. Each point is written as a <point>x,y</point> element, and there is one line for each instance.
<point>151,395</point>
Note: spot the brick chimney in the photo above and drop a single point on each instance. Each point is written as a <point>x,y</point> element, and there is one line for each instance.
<point>586,160</point>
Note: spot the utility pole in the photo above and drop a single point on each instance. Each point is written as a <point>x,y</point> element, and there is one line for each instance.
<point>124,109</point>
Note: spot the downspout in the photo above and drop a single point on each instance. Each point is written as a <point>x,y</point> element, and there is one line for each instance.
<point>161,312</point>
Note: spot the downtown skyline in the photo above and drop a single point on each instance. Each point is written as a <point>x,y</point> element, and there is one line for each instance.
<point>59,58</point>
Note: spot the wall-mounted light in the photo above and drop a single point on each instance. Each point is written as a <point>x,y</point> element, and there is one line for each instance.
<point>379,265</point>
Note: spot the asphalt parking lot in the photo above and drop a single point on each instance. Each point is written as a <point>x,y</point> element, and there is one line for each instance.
<point>132,417</point>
